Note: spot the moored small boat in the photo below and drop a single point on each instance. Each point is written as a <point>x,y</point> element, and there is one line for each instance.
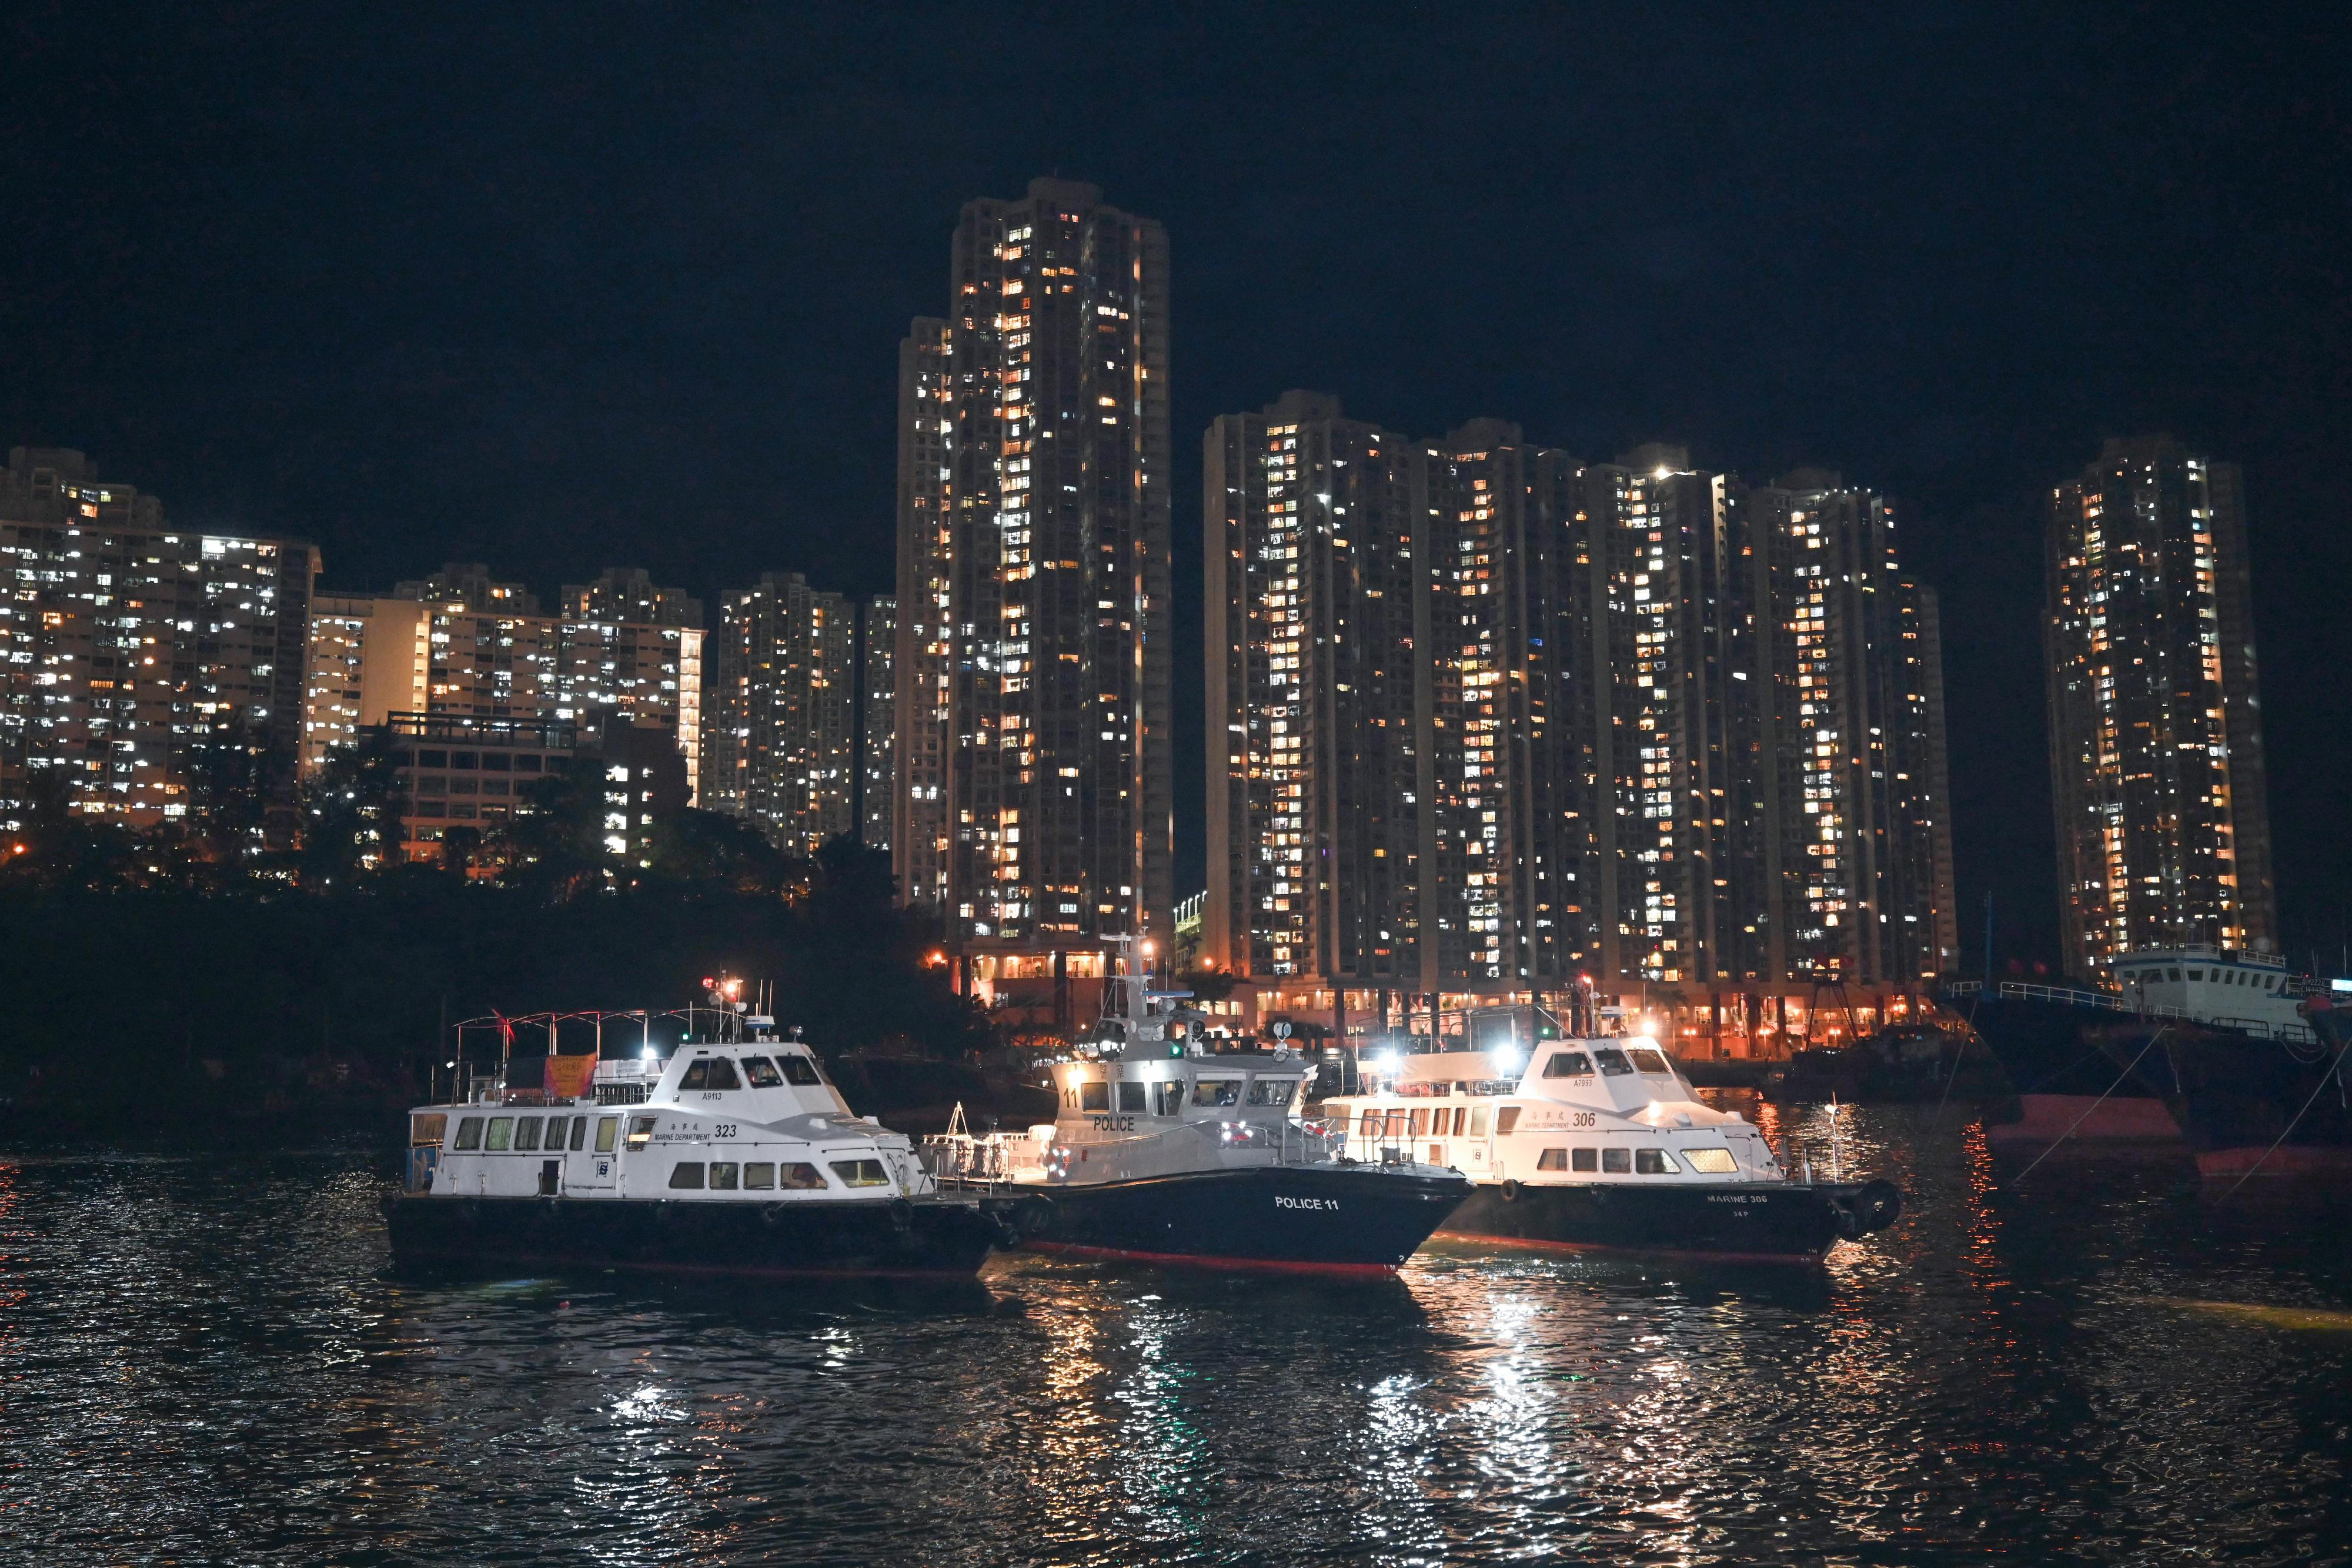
<point>1601,1143</point>
<point>733,1158</point>
<point>1163,1153</point>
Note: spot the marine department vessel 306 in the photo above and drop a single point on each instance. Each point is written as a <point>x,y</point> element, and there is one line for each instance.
<point>1600,1144</point>
<point>734,1157</point>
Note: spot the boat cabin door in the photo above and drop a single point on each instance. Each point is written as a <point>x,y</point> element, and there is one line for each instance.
<point>594,1164</point>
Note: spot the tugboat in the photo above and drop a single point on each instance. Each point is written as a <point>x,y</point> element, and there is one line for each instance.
<point>1599,1144</point>
<point>1164,1153</point>
<point>733,1158</point>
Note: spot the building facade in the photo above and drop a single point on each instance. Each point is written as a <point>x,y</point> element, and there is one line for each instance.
<point>1486,720</point>
<point>370,658</point>
<point>1052,541</point>
<point>877,716</point>
<point>2157,766</point>
<point>134,653</point>
<point>919,835</point>
<point>783,694</point>
<point>625,593</point>
<point>461,645</point>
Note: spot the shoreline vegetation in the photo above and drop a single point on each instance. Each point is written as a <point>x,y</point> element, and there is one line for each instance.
<point>187,982</point>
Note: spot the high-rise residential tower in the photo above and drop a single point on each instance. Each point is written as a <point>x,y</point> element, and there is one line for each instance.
<point>1052,401</point>
<point>1856,862</point>
<point>877,718</point>
<point>926,632</point>
<point>627,593</point>
<point>784,710</point>
<point>1485,718</point>
<point>2156,743</point>
<point>131,651</point>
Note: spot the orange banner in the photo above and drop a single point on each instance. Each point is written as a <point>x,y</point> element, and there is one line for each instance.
<point>568,1077</point>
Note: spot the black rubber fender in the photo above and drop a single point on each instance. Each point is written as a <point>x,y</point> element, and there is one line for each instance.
<point>1879,1204</point>
<point>902,1214</point>
<point>1511,1190</point>
<point>1035,1216</point>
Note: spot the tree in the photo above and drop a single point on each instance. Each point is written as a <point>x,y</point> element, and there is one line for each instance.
<point>350,814</point>
<point>714,849</point>
<point>554,841</point>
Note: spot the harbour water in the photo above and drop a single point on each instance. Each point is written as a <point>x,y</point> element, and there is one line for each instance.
<point>203,1359</point>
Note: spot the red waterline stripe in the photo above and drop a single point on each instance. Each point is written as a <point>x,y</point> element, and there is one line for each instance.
<point>1203,1260</point>
<point>2286,1160</point>
<point>561,1262</point>
<point>1682,1252</point>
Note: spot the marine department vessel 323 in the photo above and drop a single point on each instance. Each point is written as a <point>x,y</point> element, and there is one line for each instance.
<point>1164,1153</point>
<point>733,1158</point>
<point>1598,1143</point>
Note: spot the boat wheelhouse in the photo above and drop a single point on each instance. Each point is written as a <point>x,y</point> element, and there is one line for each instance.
<point>1164,1151</point>
<point>728,1157</point>
<point>1598,1143</point>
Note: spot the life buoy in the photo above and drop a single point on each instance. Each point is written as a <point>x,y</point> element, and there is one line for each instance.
<point>1510,1191</point>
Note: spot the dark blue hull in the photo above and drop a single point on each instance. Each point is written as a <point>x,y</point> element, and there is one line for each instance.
<point>1754,1221</point>
<point>1330,1219</point>
<point>894,1238</point>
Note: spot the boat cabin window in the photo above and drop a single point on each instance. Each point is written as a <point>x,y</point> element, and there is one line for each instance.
<point>2196,974</point>
<point>1552,1160</point>
<point>1397,1126</point>
<point>1617,1162</point>
<point>800,1070</point>
<point>1709,1162</point>
<point>798,1176</point>
<point>556,1128</point>
<point>1093,1096</point>
<point>1584,1159</point>
<point>762,1073</point>
<point>710,1073</point>
<point>605,1127</point>
<point>579,1131</point>
<point>501,1136</point>
<point>470,1133</point>
<point>723,1176</point>
<point>1613,1061</point>
<point>1506,1120</point>
<point>1651,1062</point>
<point>1167,1099</point>
<point>1272,1091</point>
<point>1134,1096</point>
<point>526,1134</point>
<point>686,1175</point>
<point>1367,1127</point>
<point>1217,1091</point>
<point>428,1132</point>
<point>1421,1123</point>
<point>1477,1120</point>
<point>1654,1162</point>
<point>861,1173</point>
<point>760,1175</point>
<point>2172,974</point>
<point>641,1131</point>
<point>1569,1064</point>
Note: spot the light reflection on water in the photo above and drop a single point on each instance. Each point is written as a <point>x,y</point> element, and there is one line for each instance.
<point>201,1358</point>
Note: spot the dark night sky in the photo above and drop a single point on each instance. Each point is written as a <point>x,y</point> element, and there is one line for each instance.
<point>557,287</point>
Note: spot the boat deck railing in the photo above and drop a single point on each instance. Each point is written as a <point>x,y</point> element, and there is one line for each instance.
<point>995,1159</point>
<point>2070,995</point>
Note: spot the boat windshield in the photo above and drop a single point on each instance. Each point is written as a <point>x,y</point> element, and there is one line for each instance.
<point>1613,1061</point>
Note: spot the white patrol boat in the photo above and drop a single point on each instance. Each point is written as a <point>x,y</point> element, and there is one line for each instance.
<point>1164,1152</point>
<point>734,1157</point>
<point>1598,1143</point>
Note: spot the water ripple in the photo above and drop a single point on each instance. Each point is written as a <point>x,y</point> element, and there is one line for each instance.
<point>203,1359</point>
